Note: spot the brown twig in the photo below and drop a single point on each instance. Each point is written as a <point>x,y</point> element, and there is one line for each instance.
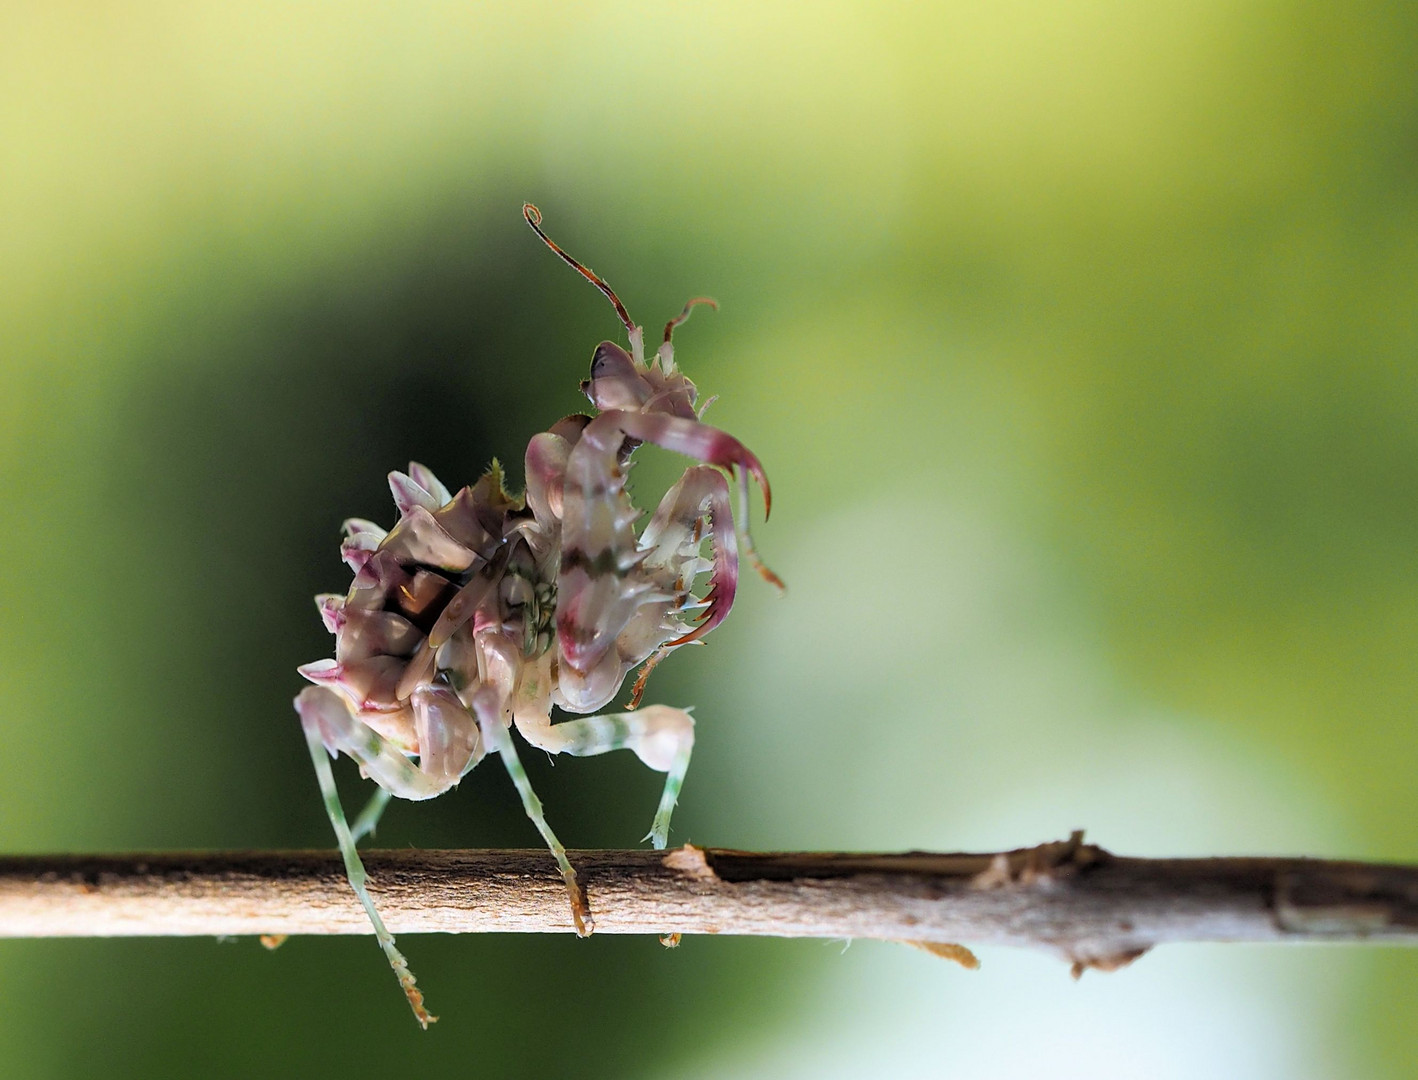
<point>1093,908</point>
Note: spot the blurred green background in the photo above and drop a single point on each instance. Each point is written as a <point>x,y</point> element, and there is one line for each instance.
<point>1079,343</point>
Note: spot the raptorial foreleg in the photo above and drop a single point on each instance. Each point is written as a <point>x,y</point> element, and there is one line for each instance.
<point>672,539</point>
<point>695,440</point>
<point>661,736</point>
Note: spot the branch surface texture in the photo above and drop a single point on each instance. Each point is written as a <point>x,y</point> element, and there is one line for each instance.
<point>1091,907</point>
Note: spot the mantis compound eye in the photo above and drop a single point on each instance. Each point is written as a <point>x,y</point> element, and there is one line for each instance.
<point>615,382</point>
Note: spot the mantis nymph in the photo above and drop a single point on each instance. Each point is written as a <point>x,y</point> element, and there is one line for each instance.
<point>478,611</point>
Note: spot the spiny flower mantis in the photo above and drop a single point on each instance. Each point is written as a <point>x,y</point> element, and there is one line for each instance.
<point>479,611</point>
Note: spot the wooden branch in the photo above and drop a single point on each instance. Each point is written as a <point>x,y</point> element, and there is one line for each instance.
<point>1075,899</point>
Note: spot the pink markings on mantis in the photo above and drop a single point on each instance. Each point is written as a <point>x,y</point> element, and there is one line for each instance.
<point>691,438</point>
<point>479,612</point>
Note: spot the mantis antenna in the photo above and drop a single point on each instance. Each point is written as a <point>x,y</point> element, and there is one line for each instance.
<point>534,219</point>
<point>684,315</point>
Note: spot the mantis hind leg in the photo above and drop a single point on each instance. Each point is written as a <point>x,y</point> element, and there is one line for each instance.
<point>661,736</point>
<point>315,705</point>
<point>368,819</point>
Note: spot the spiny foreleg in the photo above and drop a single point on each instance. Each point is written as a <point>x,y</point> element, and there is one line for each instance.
<point>547,455</point>
<point>672,540</point>
<point>599,588</point>
<point>695,440</point>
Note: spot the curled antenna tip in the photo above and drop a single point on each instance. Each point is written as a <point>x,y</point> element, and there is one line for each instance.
<point>534,219</point>
<point>683,315</point>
